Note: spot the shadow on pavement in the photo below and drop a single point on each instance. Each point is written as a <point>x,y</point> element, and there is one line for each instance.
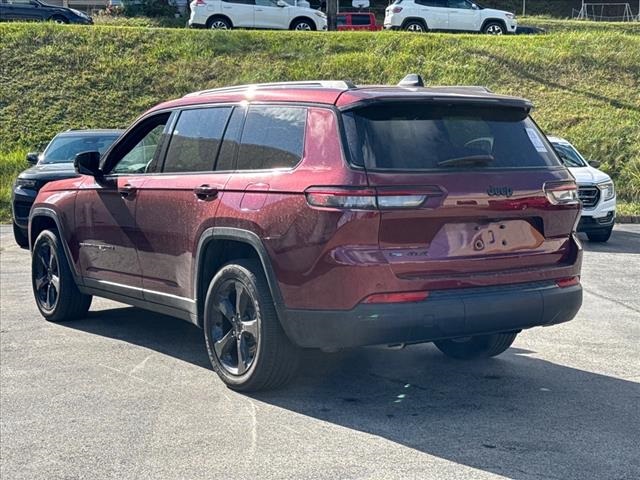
<point>620,242</point>
<point>516,415</point>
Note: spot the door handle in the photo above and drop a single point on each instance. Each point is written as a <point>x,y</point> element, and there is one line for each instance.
<point>205,192</point>
<point>127,190</point>
<point>259,10</point>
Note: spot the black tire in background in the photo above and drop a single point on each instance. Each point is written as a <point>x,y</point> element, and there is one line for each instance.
<point>59,19</point>
<point>481,346</point>
<point>54,288</point>
<point>20,237</point>
<point>600,236</point>
<point>238,296</point>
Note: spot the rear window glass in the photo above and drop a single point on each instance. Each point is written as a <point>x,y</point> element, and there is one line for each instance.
<point>360,20</point>
<point>425,137</point>
<point>273,137</point>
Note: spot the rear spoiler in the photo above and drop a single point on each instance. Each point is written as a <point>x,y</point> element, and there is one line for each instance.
<point>505,102</point>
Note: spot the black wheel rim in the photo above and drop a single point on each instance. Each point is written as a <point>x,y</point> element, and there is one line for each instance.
<point>235,330</point>
<point>47,276</point>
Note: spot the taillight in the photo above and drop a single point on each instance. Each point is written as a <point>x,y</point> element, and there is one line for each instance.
<point>561,193</point>
<point>568,282</point>
<point>396,9</point>
<point>200,3</point>
<point>399,297</point>
<point>370,198</point>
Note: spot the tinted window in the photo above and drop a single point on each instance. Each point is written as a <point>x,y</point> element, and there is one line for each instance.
<point>64,148</point>
<point>242,2</point>
<point>273,137</point>
<point>432,3</point>
<point>569,156</point>
<point>227,156</point>
<point>195,140</point>
<point>360,20</point>
<point>418,137</point>
<point>137,152</point>
<point>459,4</point>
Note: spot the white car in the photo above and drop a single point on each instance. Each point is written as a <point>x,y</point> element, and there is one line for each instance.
<point>595,189</point>
<point>449,15</point>
<point>268,14</point>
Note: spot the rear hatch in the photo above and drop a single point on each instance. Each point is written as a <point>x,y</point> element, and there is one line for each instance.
<point>467,192</point>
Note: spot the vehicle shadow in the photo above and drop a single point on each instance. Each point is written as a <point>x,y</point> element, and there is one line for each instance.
<point>516,415</point>
<point>621,241</point>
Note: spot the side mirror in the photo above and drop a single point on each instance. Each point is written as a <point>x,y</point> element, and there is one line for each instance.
<point>281,3</point>
<point>32,157</point>
<point>594,163</point>
<point>474,6</point>
<point>88,163</point>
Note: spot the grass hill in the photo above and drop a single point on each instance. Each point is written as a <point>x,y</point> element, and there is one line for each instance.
<point>584,82</point>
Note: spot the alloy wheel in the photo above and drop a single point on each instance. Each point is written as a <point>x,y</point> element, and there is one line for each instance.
<point>303,26</point>
<point>494,30</point>
<point>219,25</point>
<point>47,277</point>
<point>415,27</point>
<point>236,330</point>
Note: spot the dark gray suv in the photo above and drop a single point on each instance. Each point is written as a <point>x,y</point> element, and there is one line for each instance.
<point>35,10</point>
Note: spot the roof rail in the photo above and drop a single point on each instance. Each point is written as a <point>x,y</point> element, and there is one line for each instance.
<point>473,88</point>
<point>335,84</point>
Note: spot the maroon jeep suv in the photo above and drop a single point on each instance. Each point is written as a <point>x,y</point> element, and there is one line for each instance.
<point>286,216</point>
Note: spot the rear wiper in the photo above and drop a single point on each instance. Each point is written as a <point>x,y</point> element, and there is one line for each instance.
<point>467,161</point>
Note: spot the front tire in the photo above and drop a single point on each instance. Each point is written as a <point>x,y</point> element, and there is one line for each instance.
<point>246,344</point>
<point>481,346</point>
<point>60,20</point>
<point>56,293</point>
<point>303,25</point>
<point>600,236</point>
<point>21,239</point>
<point>494,28</point>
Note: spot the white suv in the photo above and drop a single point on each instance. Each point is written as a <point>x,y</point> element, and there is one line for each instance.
<point>270,14</point>
<point>451,15</point>
<point>595,189</point>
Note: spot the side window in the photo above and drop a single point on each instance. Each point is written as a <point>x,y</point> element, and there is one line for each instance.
<point>138,150</point>
<point>227,156</point>
<point>459,4</point>
<point>360,19</point>
<point>273,137</point>
<point>195,140</point>
<point>242,2</point>
<point>432,3</point>
<point>265,3</point>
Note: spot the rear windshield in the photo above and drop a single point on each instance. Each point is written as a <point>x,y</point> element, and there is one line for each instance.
<point>427,137</point>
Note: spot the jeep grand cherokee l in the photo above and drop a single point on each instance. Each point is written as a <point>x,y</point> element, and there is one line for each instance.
<point>319,215</point>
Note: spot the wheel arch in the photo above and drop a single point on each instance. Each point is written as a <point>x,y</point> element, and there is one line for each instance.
<point>494,20</point>
<point>218,15</point>
<point>42,218</point>
<point>303,17</point>
<point>406,21</point>
<point>219,245</point>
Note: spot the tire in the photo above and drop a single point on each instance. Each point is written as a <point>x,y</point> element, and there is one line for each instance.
<point>482,346</point>
<point>494,28</point>
<point>600,236</point>
<point>21,239</point>
<point>415,26</point>
<point>55,291</point>
<point>59,19</point>
<point>248,355</point>
<point>303,25</point>
<point>219,23</point>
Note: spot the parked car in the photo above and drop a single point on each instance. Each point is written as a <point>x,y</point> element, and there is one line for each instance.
<point>35,10</point>
<point>268,14</point>
<point>358,21</point>
<point>595,190</point>
<point>448,15</point>
<point>319,215</point>
<point>55,163</point>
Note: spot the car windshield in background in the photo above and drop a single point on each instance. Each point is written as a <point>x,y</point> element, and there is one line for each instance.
<point>425,137</point>
<point>569,156</point>
<point>63,149</point>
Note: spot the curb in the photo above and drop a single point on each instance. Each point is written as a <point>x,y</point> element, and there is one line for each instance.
<point>628,219</point>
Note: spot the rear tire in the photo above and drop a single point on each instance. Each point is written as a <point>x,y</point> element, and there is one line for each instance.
<point>600,236</point>
<point>21,239</point>
<point>415,26</point>
<point>54,288</point>
<point>219,23</point>
<point>481,346</point>
<point>246,344</point>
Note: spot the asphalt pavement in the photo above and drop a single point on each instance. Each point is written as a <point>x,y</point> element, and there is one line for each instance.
<point>128,394</point>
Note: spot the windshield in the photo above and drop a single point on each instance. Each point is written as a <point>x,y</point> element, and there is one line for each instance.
<point>64,148</point>
<point>427,136</point>
<point>569,155</point>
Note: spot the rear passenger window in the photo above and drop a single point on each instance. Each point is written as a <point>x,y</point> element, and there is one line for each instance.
<point>273,137</point>
<point>227,157</point>
<point>196,139</point>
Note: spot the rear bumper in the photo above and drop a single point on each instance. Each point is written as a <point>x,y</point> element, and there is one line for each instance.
<point>444,314</point>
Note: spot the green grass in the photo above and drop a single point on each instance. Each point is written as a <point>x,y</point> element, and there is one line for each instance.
<point>584,82</point>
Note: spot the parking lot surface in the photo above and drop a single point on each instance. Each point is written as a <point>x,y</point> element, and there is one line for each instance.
<point>129,394</point>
